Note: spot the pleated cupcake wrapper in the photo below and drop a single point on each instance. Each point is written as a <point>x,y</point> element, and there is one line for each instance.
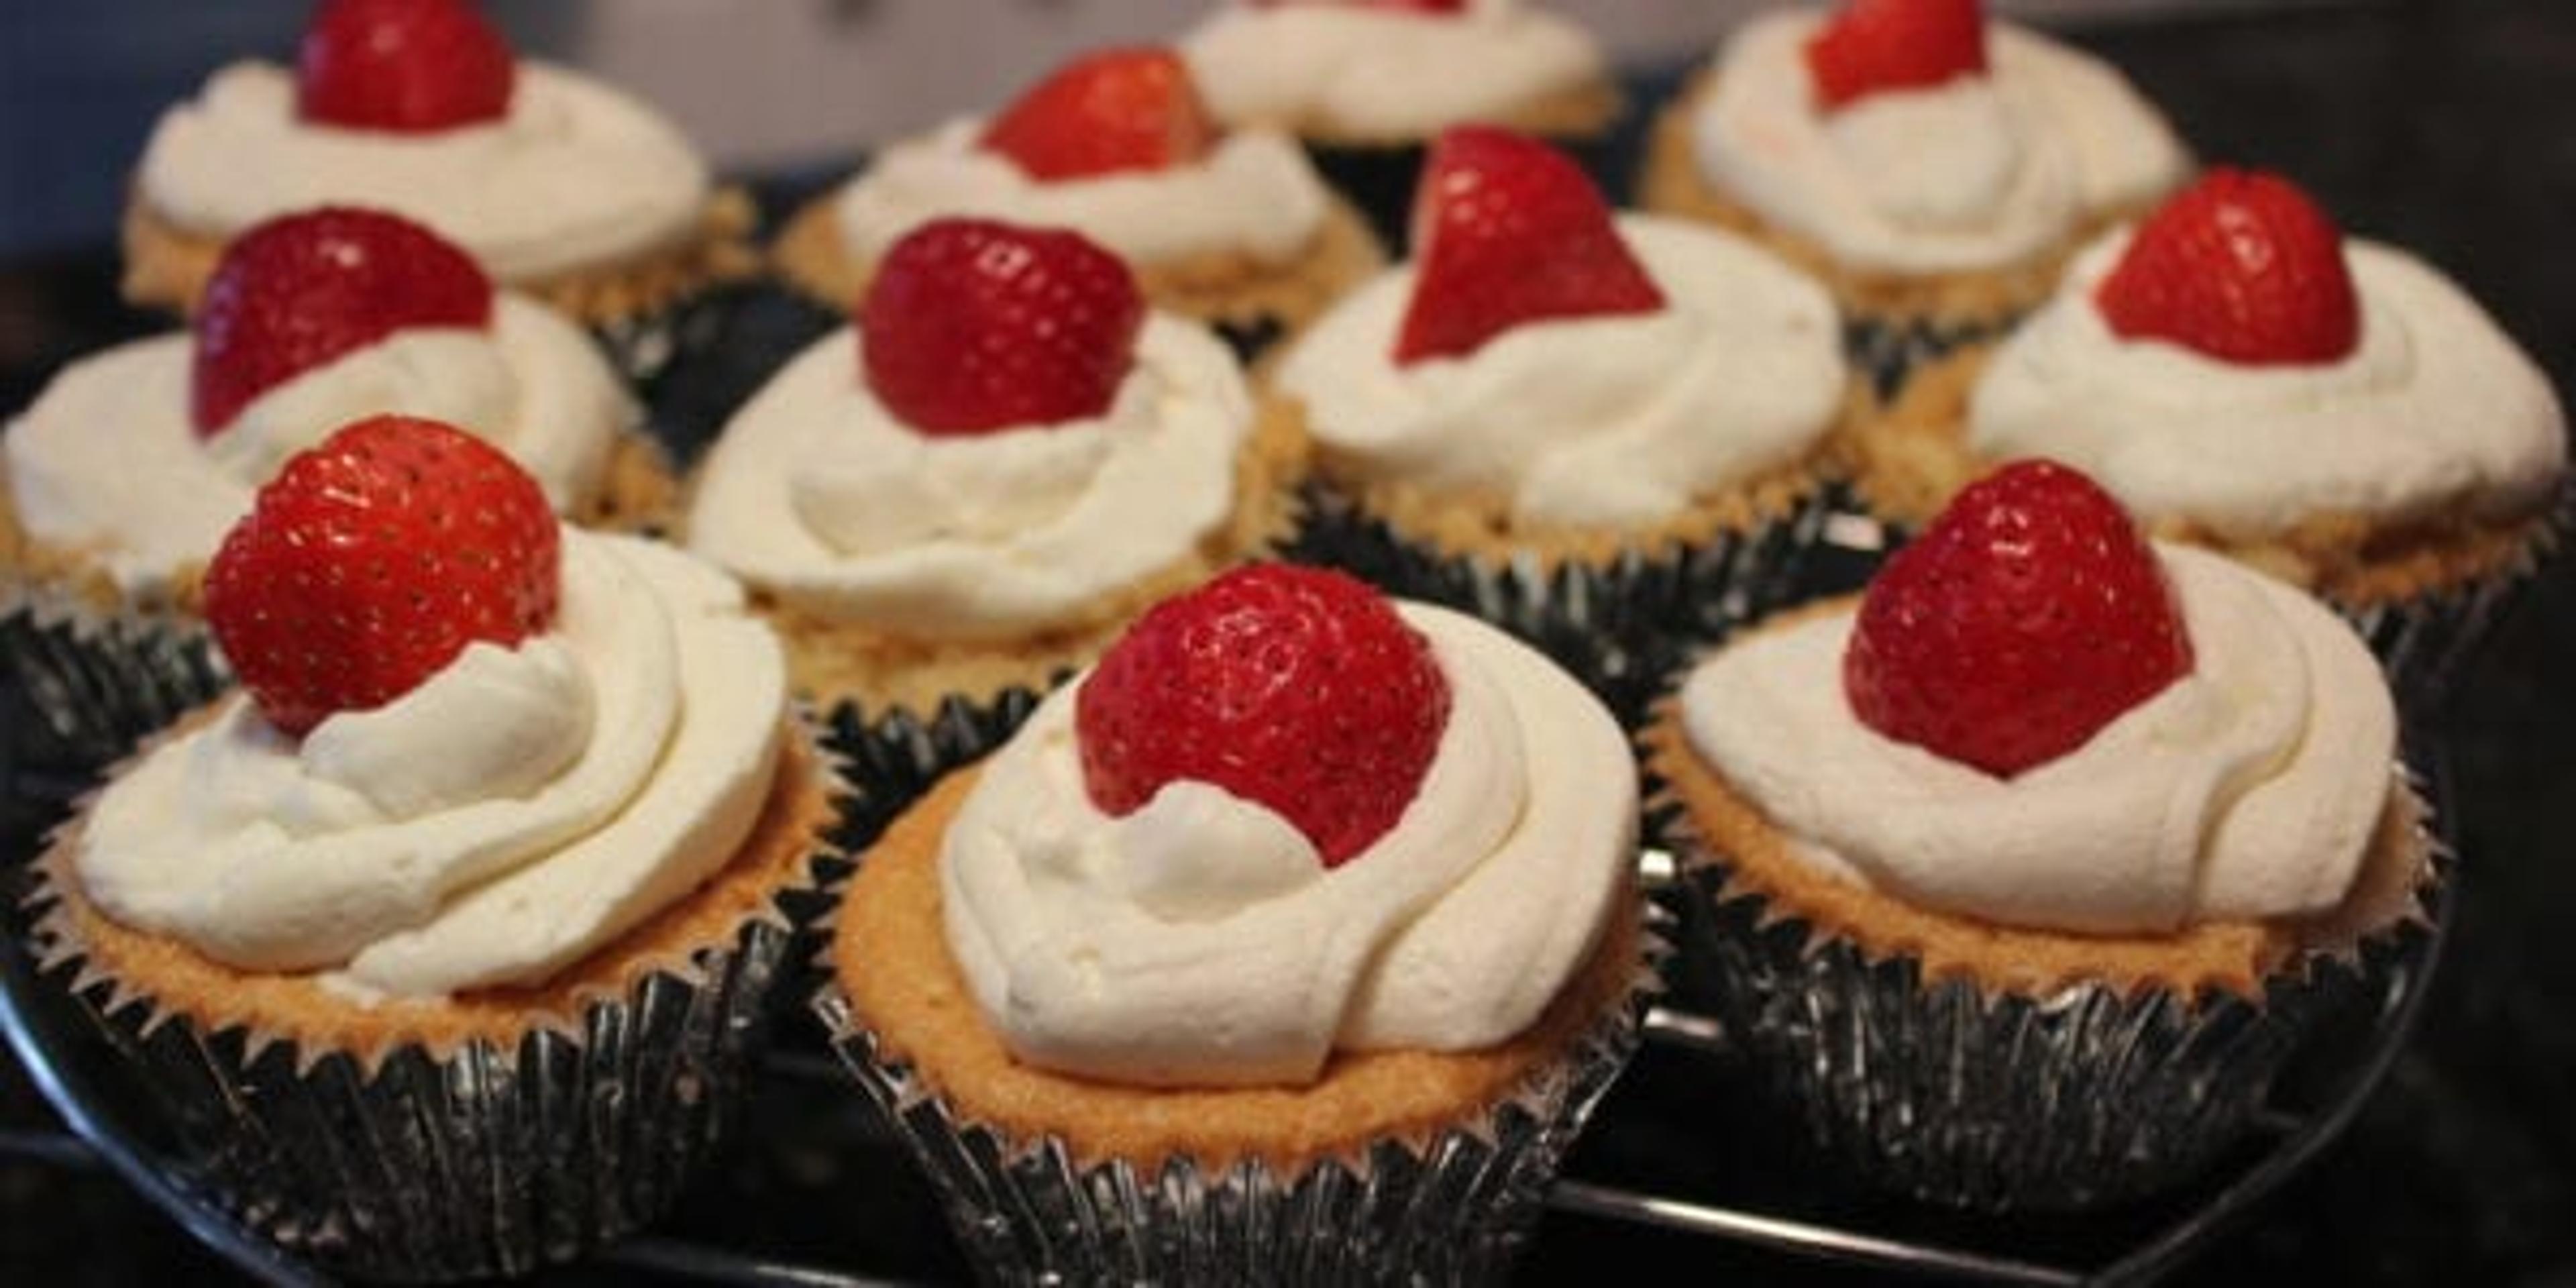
<point>1960,1096</point>
<point>101,681</point>
<point>461,1161</point>
<point>1620,627</point>
<point>646,345</point>
<point>2425,643</point>
<point>1888,351</point>
<point>1453,1208</point>
<point>892,756</point>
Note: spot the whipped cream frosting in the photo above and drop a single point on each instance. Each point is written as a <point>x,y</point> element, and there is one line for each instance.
<point>511,815</point>
<point>2248,789</point>
<point>107,462</point>
<point>1612,421</point>
<point>1200,940</point>
<point>1380,72</point>
<point>1978,172</point>
<point>2434,411</point>
<point>1254,194</point>
<point>576,175</point>
<point>817,494</point>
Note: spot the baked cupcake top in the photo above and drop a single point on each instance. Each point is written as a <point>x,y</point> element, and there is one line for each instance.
<point>420,108</point>
<point>472,746</point>
<point>1584,371</point>
<point>1005,435</point>
<point>2036,719</point>
<point>1116,146</point>
<point>1285,816</point>
<point>2237,363</point>
<point>141,457</point>
<point>1386,69</point>
<point>1914,137</point>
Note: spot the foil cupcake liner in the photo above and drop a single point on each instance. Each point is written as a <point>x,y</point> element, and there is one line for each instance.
<point>1455,1207</point>
<point>1620,627</point>
<point>889,758</point>
<point>97,683</point>
<point>1955,1095</point>
<point>2425,644</point>
<point>1888,351</point>
<point>469,1160</point>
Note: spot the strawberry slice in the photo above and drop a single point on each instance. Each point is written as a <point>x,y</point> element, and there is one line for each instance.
<point>1508,230</point>
<point>2241,266</point>
<point>1870,46</point>
<point>1118,109</point>
<point>410,66</point>
<point>2027,616</point>
<point>973,325</point>
<point>372,560</point>
<point>302,289</point>
<point>1295,687</point>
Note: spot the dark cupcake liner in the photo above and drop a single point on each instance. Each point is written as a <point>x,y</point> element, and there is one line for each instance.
<point>488,1158</point>
<point>645,347</point>
<point>1453,1207</point>
<point>1620,627</point>
<point>1886,352</point>
<point>98,684</point>
<point>890,758</point>
<point>1999,1101</point>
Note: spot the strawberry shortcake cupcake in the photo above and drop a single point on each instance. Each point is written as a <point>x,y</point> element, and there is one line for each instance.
<point>444,943</point>
<point>1302,901</point>
<point>2048,807</point>
<point>1600,430</point>
<point>966,493</point>
<point>1931,166</point>
<point>117,483</point>
<point>2245,377</point>
<point>562,188</point>
<point>1231,227</point>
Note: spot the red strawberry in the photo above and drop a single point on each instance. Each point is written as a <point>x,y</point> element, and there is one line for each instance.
<point>2241,266</point>
<point>1873,45</point>
<point>300,290</point>
<point>1118,109</point>
<point>1294,687</point>
<point>407,65</point>
<point>1508,230</point>
<point>372,560</point>
<point>973,325</point>
<point>2026,617</point>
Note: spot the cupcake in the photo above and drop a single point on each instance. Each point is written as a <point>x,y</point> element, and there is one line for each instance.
<point>443,944</point>
<point>559,186</point>
<point>964,495</point>
<point>1295,940</point>
<point>2243,377</point>
<point>1369,83</point>
<point>123,475</point>
<point>1935,169</point>
<point>2022,877</point>
<point>1232,228</point>
<point>1604,432</point>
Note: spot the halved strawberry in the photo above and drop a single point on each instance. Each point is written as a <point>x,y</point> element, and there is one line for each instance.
<point>1508,230</point>
<point>1118,109</point>
<point>2026,617</point>
<point>1295,687</point>
<point>2242,266</point>
<point>1874,45</point>
<point>411,66</point>
<point>372,560</point>
<point>973,325</point>
<point>302,289</point>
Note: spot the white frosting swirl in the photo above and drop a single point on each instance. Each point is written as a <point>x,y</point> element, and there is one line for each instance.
<point>576,175</point>
<point>1199,940</point>
<point>1976,173</point>
<point>1385,72</point>
<point>1601,422</point>
<point>107,462</point>
<point>2434,411</point>
<point>818,494</point>
<point>2247,789</point>
<point>516,812</point>
<point>1254,194</point>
